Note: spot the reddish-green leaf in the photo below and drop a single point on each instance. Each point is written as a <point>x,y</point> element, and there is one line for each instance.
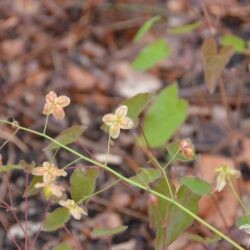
<point>214,61</point>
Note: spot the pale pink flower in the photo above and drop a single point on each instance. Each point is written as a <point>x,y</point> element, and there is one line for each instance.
<point>54,105</point>
<point>49,172</point>
<point>117,121</point>
<point>224,174</point>
<point>75,210</point>
<point>50,189</point>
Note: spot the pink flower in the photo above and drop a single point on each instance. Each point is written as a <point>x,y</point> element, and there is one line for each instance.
<point>118,121</point>
<point>54,105</point>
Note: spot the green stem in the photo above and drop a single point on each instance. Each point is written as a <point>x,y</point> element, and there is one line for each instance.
<point>46,124</point>
<point>165,177</point>
<point>236,195</point>
<point>172,159</point>
<point>72,162</point>
<point>129,181</point>
<point>108,149</point>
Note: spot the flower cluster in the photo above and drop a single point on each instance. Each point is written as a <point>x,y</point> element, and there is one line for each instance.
<point>50,173</point>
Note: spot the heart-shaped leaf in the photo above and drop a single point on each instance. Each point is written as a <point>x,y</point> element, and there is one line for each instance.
<point>146,27</point>
<point>83,183</point>
<point>214,61</point>
<point>56,219</point>
<point>137,104</point>
<point>196,185</point>
<point>67,137</point>
<point>164,117</point>
<point>151,55</point>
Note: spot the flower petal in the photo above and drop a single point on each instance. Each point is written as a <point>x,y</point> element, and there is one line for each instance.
<point>51,97</point>
<point>38,171</point>
<point>48,108</point>
<point>121,111</point>
<point>58,113</point>
<point>109,119</point>
<point>220,182</point>
<point>62,101</point>
<point>114,131</point>
<point>126,123</point>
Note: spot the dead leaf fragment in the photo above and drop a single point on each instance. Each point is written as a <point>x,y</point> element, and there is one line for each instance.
<point>81,78</point>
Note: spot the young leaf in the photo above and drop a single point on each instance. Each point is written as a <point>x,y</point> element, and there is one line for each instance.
<point>151,55</point>
<point>196,185</point>
<point>31,188</point>
<point>63,246</point>
<point>164,117</point>
<point>83,183</point>
<point>146,176</point>
<point>177,220</point>
<point>235,41</point>
<point>186,28</point>
<point>103,232</point>
<point>146,27</point>
<point>68,136</point>
<point>56,219</point>
<point>136,104</point>
<point>214,61</point>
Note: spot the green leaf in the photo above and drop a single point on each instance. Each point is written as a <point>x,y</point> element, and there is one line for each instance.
<point>137,104</point>
<point>196,185</point>
<point>68,136</point>
<point>235,41</point>
<point>63,246</point>
<point>243,223</point>
<point>146,27</point>
<point>214,61</point>
<point>8,168</point>
<point>104,232</point>
<point>174,151</point>
<point>243,220</point>
<point>177,220</point>
<point>158,213</point>
<point>83,183</point>
<point>186,28</point>
<point>164,117</point>
<point>146,176</point>
<point>56,219</point>
<point>151,55</point>
<point>31,188</point>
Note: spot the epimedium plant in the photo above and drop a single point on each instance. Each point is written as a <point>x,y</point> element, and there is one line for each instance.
<point>171,210</point>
